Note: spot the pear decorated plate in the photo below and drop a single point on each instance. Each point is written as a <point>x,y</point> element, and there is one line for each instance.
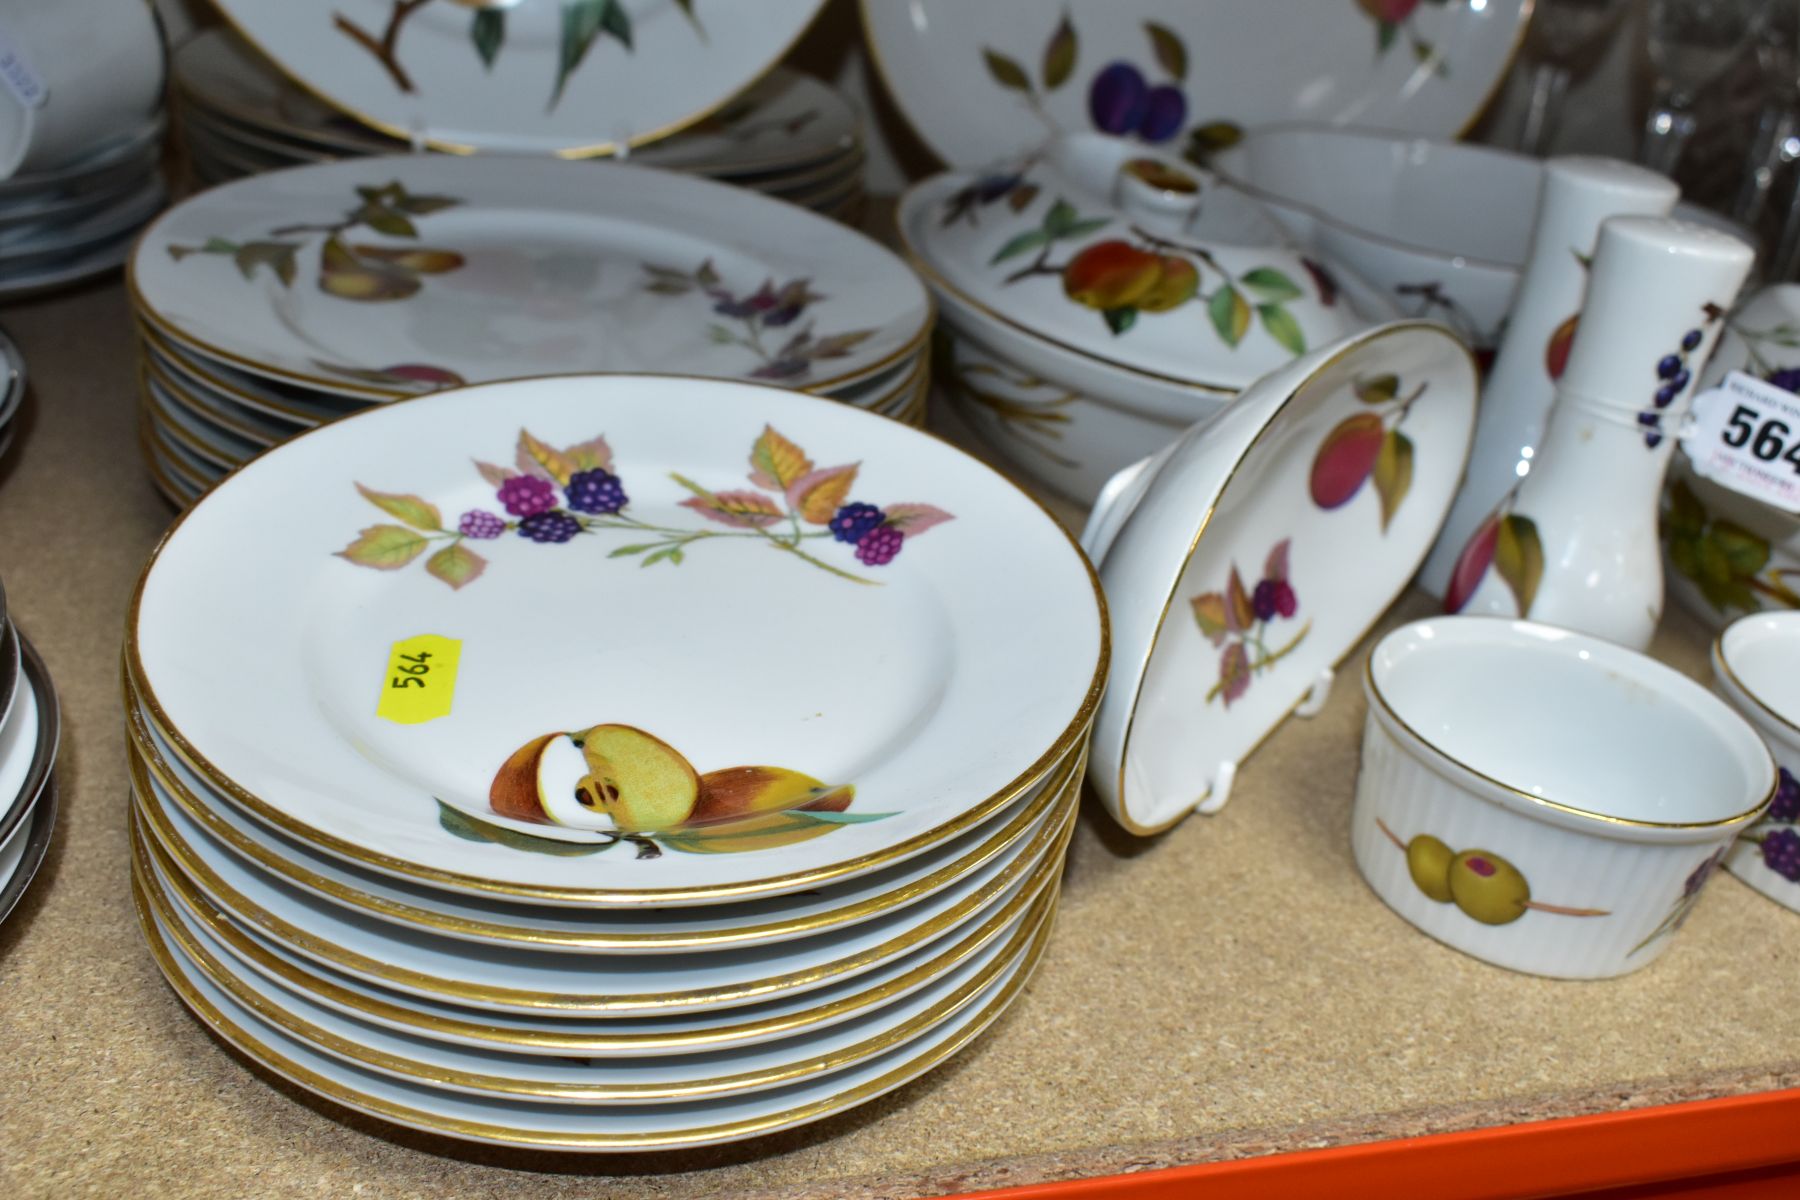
<point>382,277</point>
<point>618,640</point>
<point>984,82</point>
<point>577,78</point>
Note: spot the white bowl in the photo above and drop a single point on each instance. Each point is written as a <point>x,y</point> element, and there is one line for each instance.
<point>1444,227</point>
<point>1756,662</point>
<point>1562,798</point>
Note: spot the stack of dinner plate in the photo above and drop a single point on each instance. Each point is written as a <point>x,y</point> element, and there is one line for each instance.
<point>30,725</point>
<point>65,225</point>
<point>12,389</point>
<point>607,762</point>
<point>790,136</point>
<point>279,302</point>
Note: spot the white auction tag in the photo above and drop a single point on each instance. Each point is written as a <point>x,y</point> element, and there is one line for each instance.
<point>17,75</point>
<point>1745,435</point>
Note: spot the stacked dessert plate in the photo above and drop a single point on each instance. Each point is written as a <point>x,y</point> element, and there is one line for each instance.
<point>280,302</point>
<point>30,725</point>
<point>12,389</point>
<point>791,136</point>
<point>615,772</point>
<point>62,226</point>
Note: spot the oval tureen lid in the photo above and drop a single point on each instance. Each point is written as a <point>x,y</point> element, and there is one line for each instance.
<point>1139,259</point>
<point>1245,561</point>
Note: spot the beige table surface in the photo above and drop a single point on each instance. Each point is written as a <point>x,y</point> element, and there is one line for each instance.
<point>1229,988</point>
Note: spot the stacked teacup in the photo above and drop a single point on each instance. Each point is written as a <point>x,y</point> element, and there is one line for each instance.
<point>81,129</point>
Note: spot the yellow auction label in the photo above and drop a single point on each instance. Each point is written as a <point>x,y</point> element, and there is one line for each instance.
<point>420,683</point>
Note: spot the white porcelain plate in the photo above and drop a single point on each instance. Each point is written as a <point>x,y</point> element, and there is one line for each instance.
<point>575,78</point>
<point>384,276</point>
<point>982,82</point>
<point>583,1127</point>
<point>1244,563</point>
<point>670,650</point>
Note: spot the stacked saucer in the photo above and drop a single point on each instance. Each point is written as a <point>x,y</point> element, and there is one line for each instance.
<point>68,224</point>
<point>279,302</point>
<point>598,763</point>
<point>30,725</point>
<point>791,136</point>
<point>12,388</point>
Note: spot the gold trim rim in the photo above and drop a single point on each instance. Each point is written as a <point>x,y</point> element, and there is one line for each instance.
<point>185,396</point>
<point>244,947</point>
<point>174,857</point>
<point>1722,664</point>
<point>140,304</point>
<point>579,151</point>
<point>1074,735</point>
<point>1008,955</point>
<point>1358,343</point>
<point>1434,751</point>
<point>146,765</point>
<point>220,1026</point>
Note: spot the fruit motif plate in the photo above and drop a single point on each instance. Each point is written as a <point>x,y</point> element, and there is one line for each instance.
<point>678,640</point>
<point>570,1127</point>
<point>569,1080</point>
<point>381,277</point>
<point>515,980</point>
<point>184,801</point>
<point>983,82</point>
<point>1246,560</point>
<point>578,78</point>
<point>562,1034</point>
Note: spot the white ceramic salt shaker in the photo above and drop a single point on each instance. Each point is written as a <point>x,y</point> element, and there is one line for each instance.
<point>1574,542</point>
<point>1578,193</point>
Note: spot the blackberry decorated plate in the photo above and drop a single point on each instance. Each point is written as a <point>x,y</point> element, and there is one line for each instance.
<point>676,641</point>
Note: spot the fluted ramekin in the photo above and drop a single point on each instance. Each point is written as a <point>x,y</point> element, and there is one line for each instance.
<point>1544,800</point>
<point>1756,661</point>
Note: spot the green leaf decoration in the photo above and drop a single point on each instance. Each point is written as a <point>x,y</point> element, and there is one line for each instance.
<point>1393,474</point>
<point>1059,55</point>
<point>1209,614</point>
<point>385,547</point>
<point>625,551</point>
<point>411,509</point>
<point>616,21</point>
<point>1379,389</point>
<point>820,817</point>
<point>1119,319</point>
<point>1282,327</point>
<point>1230,314</point>
<point>687,10</point>
<point>1020,198</point>
<point>1007,73</point>
<point>1061,218</point>
<point>581,24</point>
<point>1206,140</point>
<point>279,257</point>
<point>1019,244</point>
<point>1519,557</point>
<point>1271,285</point>
<point>1385,33</point>
<point>1084,227</point>
<point>386,220</point>
<point>456,565</point>
<point>1746,552</point>
<point>1169,50</point>
<point>487,30</point>
<point>472,829</point>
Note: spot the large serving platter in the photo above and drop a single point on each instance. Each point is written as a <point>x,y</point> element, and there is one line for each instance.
<point>985,82</point>
<point>475,269</point>
<point>576,79</point>
<point>943,684</point>
<point>573,1127</point>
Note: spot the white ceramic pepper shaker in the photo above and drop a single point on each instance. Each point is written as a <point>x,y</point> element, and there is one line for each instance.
<point>1574,542</point>
<point>1578,193</point>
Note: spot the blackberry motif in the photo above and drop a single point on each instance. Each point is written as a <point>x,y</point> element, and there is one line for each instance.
<point>479,524</point>
<point>595,491</point>
<point>549,528</point>
<point>853,521</point>
<point>526,495</point>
